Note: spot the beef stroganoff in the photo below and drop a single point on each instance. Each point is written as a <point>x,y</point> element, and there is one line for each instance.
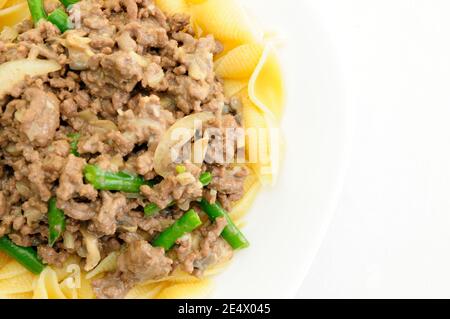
<point>134,135</point>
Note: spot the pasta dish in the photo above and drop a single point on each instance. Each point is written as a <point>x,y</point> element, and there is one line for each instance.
<point>134,136</point>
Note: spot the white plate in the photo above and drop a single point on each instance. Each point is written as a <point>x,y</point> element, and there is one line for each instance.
<point>288,222</point>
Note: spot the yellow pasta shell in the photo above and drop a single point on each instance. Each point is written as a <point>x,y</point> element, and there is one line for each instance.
<point>172,6</point>
<point>4,259</point>
<point>13,15</point>
<point>226,20</point>
<point>260,144</point>
<point>3,3</point>
<point>145,292</point>
<point>186,290</point>
<point>189,2</point>
<point>10,3</point>
<point>68,288</point>
<point>253,117</point>
<point>18,284</point>
<point>12,269</point>
<point>179,276</point>
<point>85,291</point>
<point>240,62</point>
<point>232,87</point>
<point>21,295</point>
<point>47,286</point>
<point>250,181</point>
<point>266,86</point>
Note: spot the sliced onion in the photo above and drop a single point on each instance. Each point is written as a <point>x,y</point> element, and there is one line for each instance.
<point>87,116</point>
<point>93,252</point>
<point>109,263</point>
<point>104,125</point>
<point>14,72</point>
<point>163,159</point>
<point>79,50</point>
<point>69,240</point>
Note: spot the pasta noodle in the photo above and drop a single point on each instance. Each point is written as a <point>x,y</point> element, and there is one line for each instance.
<point>266,88</point>
<point>226,20</point>
<point>240,62</point>
<point>190,290</point>
<point>250,71</point>
<point>145,292</point>
<point>4,259</point>
<point>11,270</point>
<point>13,15</point>
<point>17,284</point>
<point>85,291</point>
<point>47,286</point>
<point>10,3</point>
<point>172,6</point>
<point>68,288</point>
<point>2,3</point>
<point>20,295</point>
<point>233,87</point>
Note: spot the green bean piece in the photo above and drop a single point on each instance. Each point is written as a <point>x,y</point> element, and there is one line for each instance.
<point>68,3</point>
<point>231,233</point>
<point>205,178</point>
<point>151,209</point>
<point>186,224</point>
<point>56,222</point>
<point>74,139</point>
<point>37,10</point>
<point>26,256</point>
<point>109,181</point>
<point>60,18</point>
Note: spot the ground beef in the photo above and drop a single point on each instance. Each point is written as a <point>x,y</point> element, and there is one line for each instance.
<point>78,211</point>
<point>71,180</point>
<point>40,119</point>
<point>228,181</point>
<point>203,248</point>
<point>139,262</point>
<point>51,257</point>
<point>104,221</point>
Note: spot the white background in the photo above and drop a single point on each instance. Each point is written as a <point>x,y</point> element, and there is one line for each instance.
<point>390,236</point>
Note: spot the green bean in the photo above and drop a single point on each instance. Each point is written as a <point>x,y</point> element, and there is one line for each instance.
<point>109,181</point>
<point>205,178</point>
<point>231,233</point>
<point>37,10</point>
<point>26,256</point>
<point>74,138</point>
<point>186,224</point>
<point>68,3</point>
<point>60,18</point>
<point>56,222</point>
<point>151,209</point>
